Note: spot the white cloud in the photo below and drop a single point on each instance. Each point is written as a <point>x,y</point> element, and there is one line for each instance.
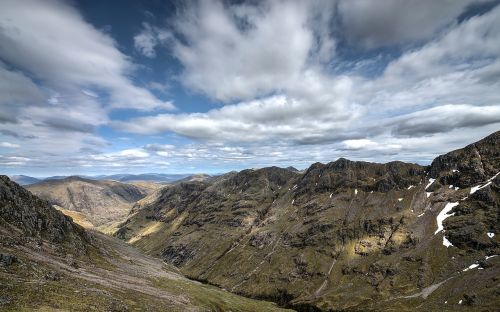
<point>9,145</point>
<point>51,41</point>
<point>359,144</point>
<point>90,93</point>
<point>323,108</point>
<point>53,68</point>
<point>270,65</point>
<point>408,103</point>
<point>147,40</point>
<point>232,52</point>
<point>133,153</point>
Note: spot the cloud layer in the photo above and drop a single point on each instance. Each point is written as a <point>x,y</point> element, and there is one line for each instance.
<point>289,83</point>
<point>449,78</point>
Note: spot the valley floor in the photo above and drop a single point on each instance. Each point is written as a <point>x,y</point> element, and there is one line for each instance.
<point>123,280</point>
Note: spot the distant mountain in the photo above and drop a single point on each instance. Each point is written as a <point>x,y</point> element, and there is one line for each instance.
<point>152,177</point>
<point>342,236</point>
<point>101,202</point>
<point>149,177</point>
<point>195,177</point>
<point>24,180</point>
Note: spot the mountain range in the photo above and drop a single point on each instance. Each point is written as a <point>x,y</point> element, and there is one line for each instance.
<point>342,236</point>
<point>150,177</point>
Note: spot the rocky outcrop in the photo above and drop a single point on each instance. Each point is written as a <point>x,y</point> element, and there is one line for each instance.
<point>470,165</point>
<point>25,216</point>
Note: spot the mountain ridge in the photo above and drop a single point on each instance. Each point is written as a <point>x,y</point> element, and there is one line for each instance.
<point>296,238</point>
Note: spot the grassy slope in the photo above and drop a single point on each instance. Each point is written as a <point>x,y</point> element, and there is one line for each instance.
<point>121,280</point>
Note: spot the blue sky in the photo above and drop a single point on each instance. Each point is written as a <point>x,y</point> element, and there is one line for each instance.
<point>101,87</point>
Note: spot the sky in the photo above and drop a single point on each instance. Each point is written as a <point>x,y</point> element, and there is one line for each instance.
<point>104,87</point>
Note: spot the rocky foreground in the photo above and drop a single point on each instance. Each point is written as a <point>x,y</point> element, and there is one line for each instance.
<point>49,263</point>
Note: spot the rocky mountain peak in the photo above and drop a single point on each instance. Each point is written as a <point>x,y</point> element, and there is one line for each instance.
<point>470,165</point>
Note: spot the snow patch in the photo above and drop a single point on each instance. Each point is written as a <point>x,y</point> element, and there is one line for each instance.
<point>472,266</point>
<point>460,302</point>
<point>493,177</point>
<point>451,186</point>
<point>293,201</point>
<point>478,187</point>
<point>355,191</point>
<point>443,215</point>
<point>400,199</point>
<point>489,257</point>
<point>411,186</point>
<point>456,188</point>
<point>474,189</point>
<point>446,242</point>
<point>421,214</point>
<point>455,170</point>
<point>431,180</point>
<point>331,195</point>
<point>428,194</point>
<point>490,234</point>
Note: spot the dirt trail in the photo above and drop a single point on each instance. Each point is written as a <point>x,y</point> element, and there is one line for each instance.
<point>424,293</point>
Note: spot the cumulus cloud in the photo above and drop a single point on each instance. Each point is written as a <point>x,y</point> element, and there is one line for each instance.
<point>51,41</point>
<point>320,108</point>
<point>287,96</point>
<point>54,68</point>
<point>279,117</point>
<point>232,52</point>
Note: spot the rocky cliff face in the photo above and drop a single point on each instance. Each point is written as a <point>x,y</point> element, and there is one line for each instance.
<point>470,165</point>
<point>101,202</point>
<point>25,216</point>
<point>341,236</point>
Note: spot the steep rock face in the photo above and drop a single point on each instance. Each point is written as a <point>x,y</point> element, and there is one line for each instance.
<point>470,165</point>
<point>25,215</point>
<point>342,236</point>
<point>101,202</point>
<point>475,217</point>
